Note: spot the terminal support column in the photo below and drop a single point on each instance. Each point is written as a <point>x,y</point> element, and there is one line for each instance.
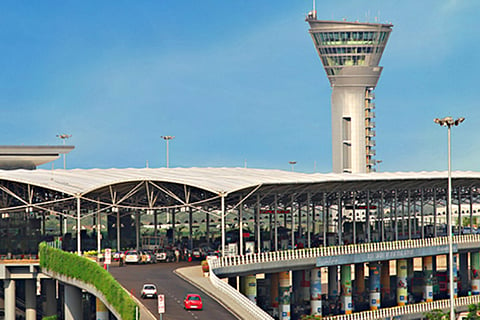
<point>346,272</point>
<point>374,279</point>
<point>385,288</point>
<point>30,300</point>
<point>402,285</point>
<point>249,287</point>
<point>305,285</point>
<point>50,307</point>
<point>73,303</point>
<point>316,291</point>
<point>284,288</point>
<point>428,276</point>
<point>359,287</point>
<point>475,261</point>
<point>455,276</point>
<point>333,283</point>
<point>101,309</point>
<point>9,296</point>
<point>464,271</point>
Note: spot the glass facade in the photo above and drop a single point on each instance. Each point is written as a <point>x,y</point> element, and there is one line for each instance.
<point>349,48</point>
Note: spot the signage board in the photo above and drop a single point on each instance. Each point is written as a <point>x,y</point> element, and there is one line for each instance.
<point>108,256</point>
<point>161,303</point>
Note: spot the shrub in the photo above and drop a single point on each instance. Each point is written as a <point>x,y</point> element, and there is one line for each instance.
<point>86,270</point>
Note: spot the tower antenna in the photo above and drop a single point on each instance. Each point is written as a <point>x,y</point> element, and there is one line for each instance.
<point>314,11</point>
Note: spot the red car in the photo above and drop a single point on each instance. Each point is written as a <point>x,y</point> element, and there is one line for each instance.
<point>193,301</point>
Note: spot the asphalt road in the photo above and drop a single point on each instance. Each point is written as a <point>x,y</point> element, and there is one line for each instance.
<point>172,286</point>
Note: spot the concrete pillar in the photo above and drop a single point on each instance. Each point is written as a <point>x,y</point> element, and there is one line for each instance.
<point>402,285</point>
<point>102,311</point>
<point>374,284</point>
<point>410,276</point>
<point>9,297</point>
<point>284,289</point>
<point>333,283</point>
<point>305,286</point>
<point>30,300</point>
<point>274,290</point>
<point>249,287</point>
<point>463,272</point>
<point>475,261</point>
<point>455,276</point>
<point>385,288</point>
<point>316,291</point>
<point>50,307</point>
<point>73,303</point>
<point>359,288</point>
<point>428,276</point>
<point>346,280</point>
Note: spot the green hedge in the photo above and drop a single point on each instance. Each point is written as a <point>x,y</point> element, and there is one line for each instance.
<point>76,267</point>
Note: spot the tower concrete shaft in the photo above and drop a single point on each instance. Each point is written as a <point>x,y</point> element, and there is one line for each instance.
<point>350,53</point>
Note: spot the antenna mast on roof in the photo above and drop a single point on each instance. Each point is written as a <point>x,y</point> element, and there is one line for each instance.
<point>313,13</point>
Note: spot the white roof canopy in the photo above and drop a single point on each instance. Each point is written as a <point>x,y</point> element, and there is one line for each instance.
<point>215,180</point>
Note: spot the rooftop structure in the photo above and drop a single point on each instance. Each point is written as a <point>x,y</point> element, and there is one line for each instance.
<point>29,157</point>
<point>350,53</point>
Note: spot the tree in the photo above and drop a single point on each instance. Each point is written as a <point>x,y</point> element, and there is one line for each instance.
<point>437,314</point>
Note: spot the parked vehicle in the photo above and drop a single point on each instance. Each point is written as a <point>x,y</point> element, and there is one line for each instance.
<point>133,256</point>
<point>149,290</point>
<point>193,301</point>
<point>164,255</point>
<point>198,254</point>
<point>152,257</point>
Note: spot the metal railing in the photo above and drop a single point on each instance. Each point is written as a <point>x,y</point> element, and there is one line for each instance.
<point>418,308</point>
<point>231,261</point>
<point>249,306</point>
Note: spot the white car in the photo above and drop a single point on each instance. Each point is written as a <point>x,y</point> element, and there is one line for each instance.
<point>149,291</point>
<point>132,257</point>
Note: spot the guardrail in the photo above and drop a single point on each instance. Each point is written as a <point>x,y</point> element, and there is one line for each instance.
<point>255,311</point>
<point>309,253</point>
<point>28,256</point>
<point>418,308</point>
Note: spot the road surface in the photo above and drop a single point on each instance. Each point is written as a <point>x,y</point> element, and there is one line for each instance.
<point>172,286</point>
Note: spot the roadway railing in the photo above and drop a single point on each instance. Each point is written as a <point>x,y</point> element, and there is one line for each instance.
<point>249,306</point>
<point>418,308</point>
<point>265,257</point>
<point>28,256</point>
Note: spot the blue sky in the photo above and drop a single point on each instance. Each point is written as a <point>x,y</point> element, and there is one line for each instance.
<point>234,81</point>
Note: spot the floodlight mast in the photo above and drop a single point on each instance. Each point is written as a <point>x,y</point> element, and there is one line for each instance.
<point>167,139</point>
<point>449,122</point>
<point>292,163</point>
<point>64,136</point>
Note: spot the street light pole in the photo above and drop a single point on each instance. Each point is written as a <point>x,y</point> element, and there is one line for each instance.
<point>167,139</point>
<point>292,163</point>
<point>449,122</point>
<point>64,136</point>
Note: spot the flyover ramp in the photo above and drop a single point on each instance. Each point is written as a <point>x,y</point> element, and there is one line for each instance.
<point>232,300</point>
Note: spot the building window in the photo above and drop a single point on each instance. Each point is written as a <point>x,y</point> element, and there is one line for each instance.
<point>347,156</point>
<point>347,128</point>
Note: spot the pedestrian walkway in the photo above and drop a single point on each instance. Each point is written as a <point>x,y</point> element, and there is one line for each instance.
<point>194,275</point>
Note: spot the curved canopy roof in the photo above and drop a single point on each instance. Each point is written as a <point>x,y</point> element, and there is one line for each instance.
<point>29,157</point>
<point>215,180</point>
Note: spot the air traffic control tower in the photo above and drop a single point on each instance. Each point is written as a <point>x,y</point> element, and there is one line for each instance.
<point>350,53</point>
